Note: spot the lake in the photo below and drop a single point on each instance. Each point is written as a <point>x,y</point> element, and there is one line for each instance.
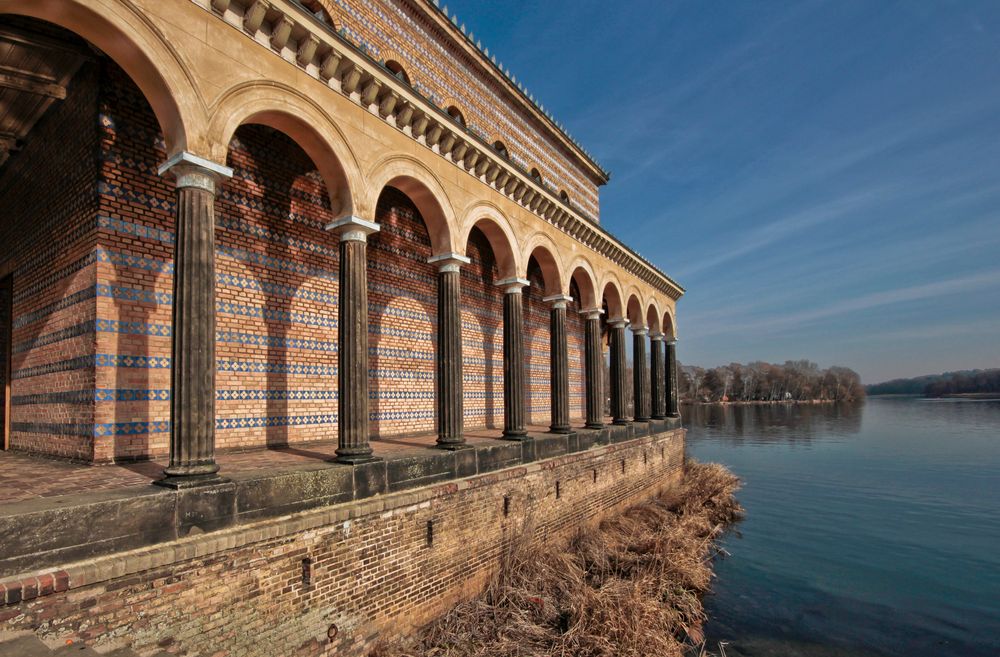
<point>871,529</point>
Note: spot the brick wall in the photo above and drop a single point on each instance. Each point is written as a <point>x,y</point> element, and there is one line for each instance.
<point>135,223</point>
<point>390,30</point>
<point>482,336</point>
<point>374,571</point>
<point>402,320</point>
<point>537,357</point>
<point>276,283</point>
<point>48,195</point>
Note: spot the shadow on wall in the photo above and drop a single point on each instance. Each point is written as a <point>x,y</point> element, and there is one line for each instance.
<point>402,320</point>
<point>271,215</point>
<point>482,301</point>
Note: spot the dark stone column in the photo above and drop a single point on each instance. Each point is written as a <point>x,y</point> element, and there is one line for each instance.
<point>352,340</point>
<point>657,376</point>
<point>594,366</point>
<point>673,409</point>
<point>619,375</point>
<point>640,374</point>
<point>192,398</point>
<point>450,412</point>
<point>559,364</point>
<point>513,359</point>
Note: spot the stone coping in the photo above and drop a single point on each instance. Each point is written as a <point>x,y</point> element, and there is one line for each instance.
<point>44,533</point>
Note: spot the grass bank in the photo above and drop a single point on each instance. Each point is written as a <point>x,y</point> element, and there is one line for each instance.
<point>631,587</point>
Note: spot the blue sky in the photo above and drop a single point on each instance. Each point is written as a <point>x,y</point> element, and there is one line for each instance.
<point>822,177</point>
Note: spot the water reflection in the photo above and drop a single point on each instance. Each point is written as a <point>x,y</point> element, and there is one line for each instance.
<point>774,422</point>
<point>871,529</point>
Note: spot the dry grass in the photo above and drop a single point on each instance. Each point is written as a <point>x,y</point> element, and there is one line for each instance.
<point>632,587</point>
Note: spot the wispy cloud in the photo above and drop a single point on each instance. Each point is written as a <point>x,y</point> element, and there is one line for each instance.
<point>787,321</point>
<point>783,228</point>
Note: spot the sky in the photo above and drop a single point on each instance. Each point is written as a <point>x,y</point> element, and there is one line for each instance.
<point>822,177</point>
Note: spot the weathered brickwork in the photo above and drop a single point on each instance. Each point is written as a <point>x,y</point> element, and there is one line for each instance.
<point>369,571</point>
<point>48,235</point>
<point>392,30</point>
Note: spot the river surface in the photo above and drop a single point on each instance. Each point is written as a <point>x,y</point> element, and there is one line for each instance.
<point>871,530</point>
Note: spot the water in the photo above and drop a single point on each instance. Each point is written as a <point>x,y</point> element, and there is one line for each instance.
<point>871,530</point>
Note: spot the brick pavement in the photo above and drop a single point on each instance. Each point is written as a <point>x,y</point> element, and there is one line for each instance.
<point>26,476</point>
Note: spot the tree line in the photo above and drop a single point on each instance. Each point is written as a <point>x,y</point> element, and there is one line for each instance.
<point>939,385</point>
<point>796,380</point>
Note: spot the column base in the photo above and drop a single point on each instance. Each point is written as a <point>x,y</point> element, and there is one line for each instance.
<point>179,482</point>
<point>353,458</point>
<point>561,430</point>
<point>453,446</point>
<point>515,434</point>
<point>674,415</point>
<point>640,419</point>
<point>594,425</point>
<point>658,417</point>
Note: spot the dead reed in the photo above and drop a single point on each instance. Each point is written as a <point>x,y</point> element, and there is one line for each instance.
<point>631,587</point>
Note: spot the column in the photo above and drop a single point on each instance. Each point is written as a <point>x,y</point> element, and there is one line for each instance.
<point>673,409</point>
<point>640,374</point>
<point>657,376</point>
<point>192,349</point>
<point>352,340</point>
<point>513,359</point>
<point>559,364</point>
<point>594,366</point>
<point>450,412</point>
<point>619,375</point>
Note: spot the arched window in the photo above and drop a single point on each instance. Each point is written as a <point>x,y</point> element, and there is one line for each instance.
<point>501,149</point>
<point>456,115</point>
<point>319,11</point>
<point>397,70</point>
<point>564,196</point>
<point>536,175</point>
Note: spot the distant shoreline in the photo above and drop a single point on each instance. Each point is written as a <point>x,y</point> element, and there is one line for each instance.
<point>957,395</point>
<point>688,402</point>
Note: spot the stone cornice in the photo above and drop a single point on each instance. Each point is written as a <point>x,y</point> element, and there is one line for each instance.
<point>312,45</point>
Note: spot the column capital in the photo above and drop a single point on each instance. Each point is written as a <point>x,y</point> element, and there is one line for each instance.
<point>353,228</point>
<point>189,170</point>
<point>513,285</point>
<point>618,322</point>
<point>592,313</point>
<point>656,336</point>
<point>558,300</point>
<point>449,261</point>
<point>671,340</point>
<point>639,329</point>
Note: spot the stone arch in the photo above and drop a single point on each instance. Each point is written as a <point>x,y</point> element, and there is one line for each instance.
<point>583,274</point>
<point>542,248</point>
<point>653,316</point>
<point>132,41</point>
<point>633,309</point>
<point>669,324</point>
<point>287,110</point>
<point>612,297</point>
<point>487,218</point>
<point>423,188</point>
